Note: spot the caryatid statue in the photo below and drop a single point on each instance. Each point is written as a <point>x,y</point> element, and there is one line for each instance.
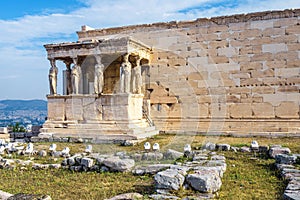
<point>125,75</point>
<point>76,73</point>
<point>69,77</point>
<point>99,76</point>
<point>53,77</point>
<point>137,77</point>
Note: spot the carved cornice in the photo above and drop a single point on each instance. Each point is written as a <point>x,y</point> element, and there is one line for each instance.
<point>110,46</point>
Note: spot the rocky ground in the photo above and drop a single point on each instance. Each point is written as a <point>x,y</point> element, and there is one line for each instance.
<point>200,170</point>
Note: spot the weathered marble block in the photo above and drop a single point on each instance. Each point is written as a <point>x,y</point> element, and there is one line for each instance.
<point>56,109</point>
<point>74,108</point>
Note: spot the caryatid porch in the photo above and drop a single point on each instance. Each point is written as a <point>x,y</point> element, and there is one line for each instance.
<point>103,91</point>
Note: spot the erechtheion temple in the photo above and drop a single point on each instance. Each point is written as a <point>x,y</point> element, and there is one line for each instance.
<point>235,74</point>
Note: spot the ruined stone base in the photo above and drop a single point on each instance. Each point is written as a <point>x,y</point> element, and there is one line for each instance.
<point>101,132</point>
<point>108,118</point>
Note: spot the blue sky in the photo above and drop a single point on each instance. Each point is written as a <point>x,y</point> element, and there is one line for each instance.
<point>14,9</point>
<point>26,25</point>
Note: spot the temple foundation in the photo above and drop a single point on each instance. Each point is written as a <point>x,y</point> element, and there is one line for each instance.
<point>110,118</point>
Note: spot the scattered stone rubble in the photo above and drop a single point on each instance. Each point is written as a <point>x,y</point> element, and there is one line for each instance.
<point>23,136</point>
<point>285,163</point>
<point>135,196</point>
<point>21,196</point>
<point>203,174</point>
<point>199,170</point>
<point>277,149</point>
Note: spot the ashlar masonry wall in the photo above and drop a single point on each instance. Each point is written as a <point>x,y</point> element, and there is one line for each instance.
<point>232,74</point>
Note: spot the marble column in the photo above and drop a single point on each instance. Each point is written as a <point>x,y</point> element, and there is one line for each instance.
<point>53,77</point>
<point>137,77</point>
<point>99,76</point>
<point>76,76</point>
<point>68,77</point>
<point>125,75</point>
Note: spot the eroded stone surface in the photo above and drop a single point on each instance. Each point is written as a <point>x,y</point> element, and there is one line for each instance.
<point>223,147</point>
<point>285,159</point>
<point>169,179</point>
<point>172,154</point>
<point>162,197</point>
<point>152,156</point>
<point>135,196</point>
<point>278,150</point>
<point>150,169</point>
<point>29,197</point>
<point>87,162</point>
<point>205,181</point>
<point>117,164</point>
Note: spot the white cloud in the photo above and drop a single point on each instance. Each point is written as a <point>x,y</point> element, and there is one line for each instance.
<point>249,6</point>
<point>22,39</point>
<point>107,13</point>
<point>13,76</point>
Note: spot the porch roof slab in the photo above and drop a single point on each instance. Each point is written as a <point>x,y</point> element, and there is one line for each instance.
<point>114,46</point>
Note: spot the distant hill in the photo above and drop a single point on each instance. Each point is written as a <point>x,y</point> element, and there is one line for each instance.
<point>12,105</point>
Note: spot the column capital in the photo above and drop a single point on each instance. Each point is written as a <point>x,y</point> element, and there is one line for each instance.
<point>67,63</point>
<point>138,60</point>
<point>98,58</point>
<point>126,57</point>
<point>75,60</point>
<point>52,62</point>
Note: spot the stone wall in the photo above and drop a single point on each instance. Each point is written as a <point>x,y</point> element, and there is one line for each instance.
<point>88,108</point>
<point>236,73</point>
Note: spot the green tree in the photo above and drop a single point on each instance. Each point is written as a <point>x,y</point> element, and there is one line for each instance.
<point>17,128</point>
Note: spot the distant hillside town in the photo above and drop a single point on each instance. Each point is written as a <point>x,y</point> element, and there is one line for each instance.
<point>26,113</point>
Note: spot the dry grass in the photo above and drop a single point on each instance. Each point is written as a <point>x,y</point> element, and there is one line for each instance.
<point>245,178</point>
<point>250,178</point>
<point>62,184</point>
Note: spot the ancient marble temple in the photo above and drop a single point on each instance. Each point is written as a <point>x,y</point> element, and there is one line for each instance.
<point>231,75</point>
<point>103,84</point>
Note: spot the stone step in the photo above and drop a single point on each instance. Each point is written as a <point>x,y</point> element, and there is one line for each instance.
<point>108,126</point>
<point>95,135</point>
<point>140,130</point>
<point>113,135</point>
<point>147,134</point>
<point>92,126</point>
<point>142,125</point>
<point>101,130</point>
<point>86,137</point>
<point>80,131</point>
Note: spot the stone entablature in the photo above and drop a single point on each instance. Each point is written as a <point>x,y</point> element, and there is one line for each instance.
<point>200,22</point>
<point>118,46</point>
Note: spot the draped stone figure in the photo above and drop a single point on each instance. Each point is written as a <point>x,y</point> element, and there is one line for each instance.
<point>137,77</point>
<point>99,76</point>
<point>69,78</point>
<point>76,73</point>
<point>53,77</point>
<point>125,75</point>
